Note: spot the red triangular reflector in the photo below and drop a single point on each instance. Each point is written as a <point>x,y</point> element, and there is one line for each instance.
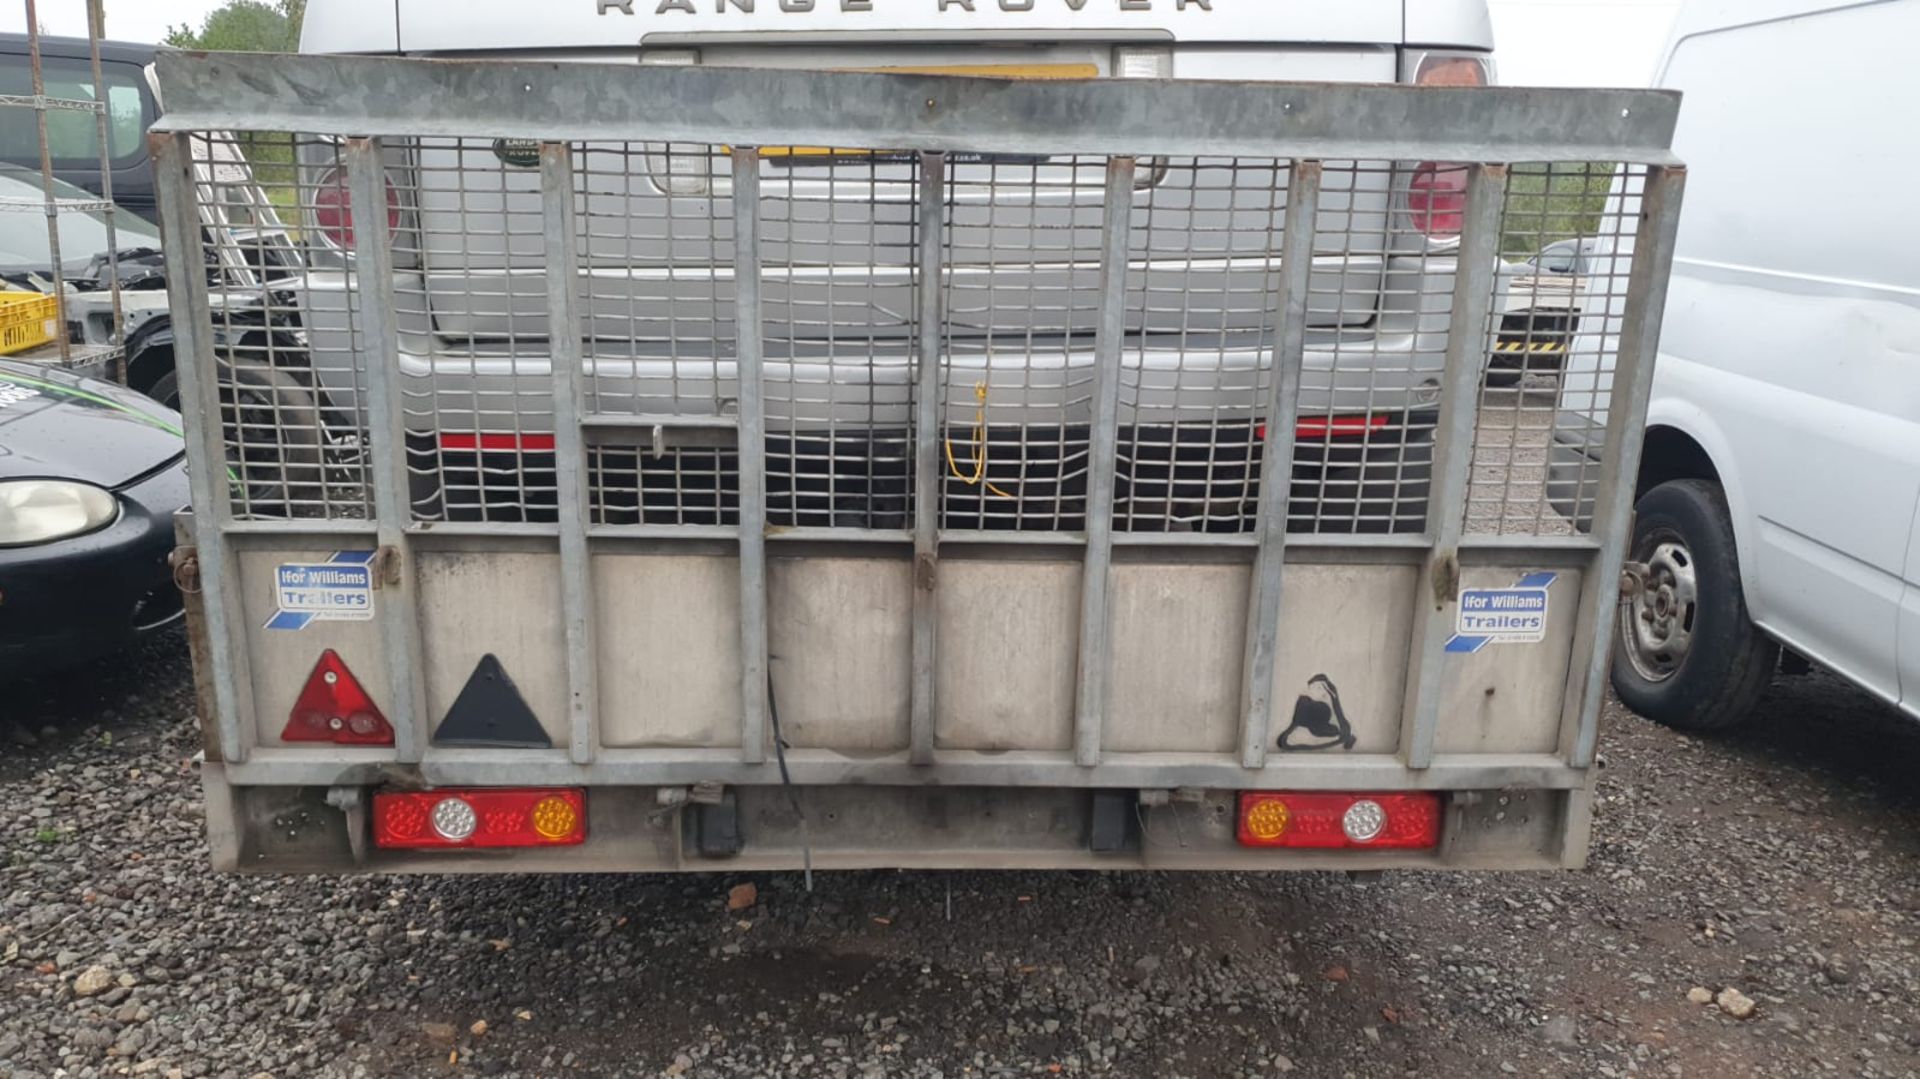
<point>334,708</point>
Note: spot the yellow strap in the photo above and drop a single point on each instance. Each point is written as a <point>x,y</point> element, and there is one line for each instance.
<point>979,476</point>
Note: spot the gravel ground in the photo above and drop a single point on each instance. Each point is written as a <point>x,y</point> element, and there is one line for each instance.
<point>1782,864</point>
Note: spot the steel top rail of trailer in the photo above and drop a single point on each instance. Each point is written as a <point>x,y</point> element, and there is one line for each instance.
<point>752,565</point>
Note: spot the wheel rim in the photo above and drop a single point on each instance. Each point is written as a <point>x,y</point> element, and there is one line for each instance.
<point>1657,628</point>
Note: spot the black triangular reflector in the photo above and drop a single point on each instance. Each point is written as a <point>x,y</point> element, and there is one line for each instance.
<point>489,712</point>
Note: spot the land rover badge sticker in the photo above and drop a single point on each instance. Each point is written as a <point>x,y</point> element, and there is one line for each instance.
<point>520,153</point>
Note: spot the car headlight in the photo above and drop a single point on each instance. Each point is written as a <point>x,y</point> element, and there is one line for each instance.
<point>40,511</point>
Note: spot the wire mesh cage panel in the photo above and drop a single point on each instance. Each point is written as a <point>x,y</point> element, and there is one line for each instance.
<point>1363,446</point>
<point>1019,274</point>
<point>1567,245</point>
<point>1021,299</point>
<point>655,243</point>
<point>839,283</point>
<point>291,432</point>
<point>1202,264</point>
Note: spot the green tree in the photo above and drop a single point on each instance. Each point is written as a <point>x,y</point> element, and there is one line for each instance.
<point>254,26</point>
<point>245,26</point>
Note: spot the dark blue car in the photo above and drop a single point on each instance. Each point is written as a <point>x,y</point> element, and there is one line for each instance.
<point>90,477</point>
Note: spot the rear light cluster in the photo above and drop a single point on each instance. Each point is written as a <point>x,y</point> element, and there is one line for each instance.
<point>333,209</point>
<point>480,818</point>
<point>1437,192</point>
<point>1437,199</point>
<point>1329,821</point>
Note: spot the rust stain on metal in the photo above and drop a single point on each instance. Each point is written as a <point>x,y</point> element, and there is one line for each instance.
<point>1446,578</point>
<point>386,567</point>
<point>924,572</point>
<point>200,657</point>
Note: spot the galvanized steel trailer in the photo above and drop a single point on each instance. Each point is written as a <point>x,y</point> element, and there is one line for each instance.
<point>686,638</point>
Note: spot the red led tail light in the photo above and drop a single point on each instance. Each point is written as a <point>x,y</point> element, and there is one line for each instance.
<point>480,817</point>
<point>1327,820</point>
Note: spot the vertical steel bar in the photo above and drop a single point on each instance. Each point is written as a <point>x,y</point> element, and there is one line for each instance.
<point>1276,463</point>
<point>387,447</point>
<point>569,447</point>
<point>1095,662</point>
<point>753,455</point>
<point>1646,304</point>
<point>197,371</point>
<point>1437,595</point>
<point>46,182</point>
<point>117,339</point>
<point>927,478</point>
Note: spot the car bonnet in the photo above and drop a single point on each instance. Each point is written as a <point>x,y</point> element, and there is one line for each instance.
<point>55,425</point>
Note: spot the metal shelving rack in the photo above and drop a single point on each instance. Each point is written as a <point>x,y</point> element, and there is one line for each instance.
<point>108,358</point>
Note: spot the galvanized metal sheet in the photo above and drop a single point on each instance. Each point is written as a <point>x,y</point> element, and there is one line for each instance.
<point>365,95</point>
<point>279,660</point>
<point>499,603</point>
<point>1505,697</point>
<point>841,639</point>
<point>655,612</point>
<point>1008,635</point>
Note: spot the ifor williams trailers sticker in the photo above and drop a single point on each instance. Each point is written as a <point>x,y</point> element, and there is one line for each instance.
<point>1516,615</point>
<point>337,590</point>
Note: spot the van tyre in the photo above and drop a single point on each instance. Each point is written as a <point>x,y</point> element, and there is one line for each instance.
<point>1685,652</point>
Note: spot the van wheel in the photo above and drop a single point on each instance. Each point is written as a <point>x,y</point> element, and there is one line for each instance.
<point>1685,652</point>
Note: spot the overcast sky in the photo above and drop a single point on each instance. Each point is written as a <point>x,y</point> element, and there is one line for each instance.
<point>127,20</point>
<point>1579,42</point>
<point>1539,42</point>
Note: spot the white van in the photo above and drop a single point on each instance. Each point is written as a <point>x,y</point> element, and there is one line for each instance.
<point>1020,265</point>
<point>1781,475</point>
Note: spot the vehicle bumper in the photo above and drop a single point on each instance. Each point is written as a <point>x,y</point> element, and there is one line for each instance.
<point>77,599</point>
<point>1158,384</point>
<point>673,361</point>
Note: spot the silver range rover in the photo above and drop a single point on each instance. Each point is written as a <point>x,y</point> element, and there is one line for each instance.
<point>1020,278</point>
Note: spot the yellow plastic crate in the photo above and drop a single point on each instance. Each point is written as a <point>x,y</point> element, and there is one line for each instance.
<point>27,320</point>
